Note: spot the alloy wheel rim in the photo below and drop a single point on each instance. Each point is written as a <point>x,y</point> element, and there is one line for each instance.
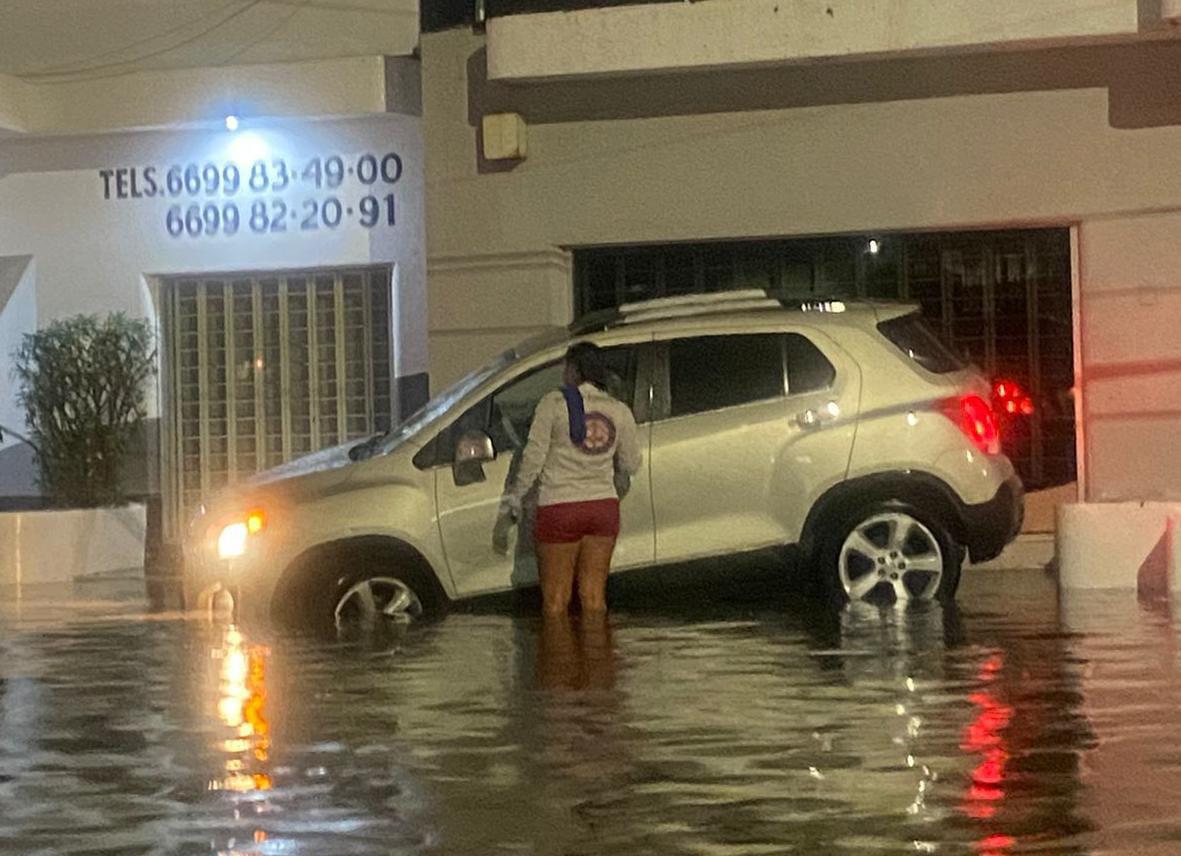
<point>377,599</point>
<point>891,551</point>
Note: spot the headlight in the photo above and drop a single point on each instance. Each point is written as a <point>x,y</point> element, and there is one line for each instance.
<point>231,543</point>
<point>234,537</point>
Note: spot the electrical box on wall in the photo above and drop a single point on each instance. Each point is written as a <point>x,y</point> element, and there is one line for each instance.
<point>504,136</point>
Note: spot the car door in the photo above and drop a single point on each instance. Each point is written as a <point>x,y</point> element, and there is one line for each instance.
<point>467,513</point>
<point>737,452</point>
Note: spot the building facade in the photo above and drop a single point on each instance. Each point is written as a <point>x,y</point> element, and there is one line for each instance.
<point>396,204</point>
<point>265,218</point>
<point>1014,169</point>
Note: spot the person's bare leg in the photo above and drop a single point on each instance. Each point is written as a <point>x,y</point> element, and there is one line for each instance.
<point>559,656</point>
<point>555,570</point>
<point>594,562</point>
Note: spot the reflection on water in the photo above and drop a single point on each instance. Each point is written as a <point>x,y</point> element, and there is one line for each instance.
<point>1012,724</point>
<point>241,706</point>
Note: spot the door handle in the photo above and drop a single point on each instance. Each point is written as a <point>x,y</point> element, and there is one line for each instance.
<point>814,417</point>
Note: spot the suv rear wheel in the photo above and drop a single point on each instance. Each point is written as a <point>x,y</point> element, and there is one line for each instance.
<point>890,550</point>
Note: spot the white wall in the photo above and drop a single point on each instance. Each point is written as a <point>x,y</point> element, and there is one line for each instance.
<point>18,315</point>
<point>61,546</point>
<point>92,253</point>
<point>652,37</point>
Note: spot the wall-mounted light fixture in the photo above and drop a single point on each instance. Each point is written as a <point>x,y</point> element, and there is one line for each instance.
<point>504,136</point>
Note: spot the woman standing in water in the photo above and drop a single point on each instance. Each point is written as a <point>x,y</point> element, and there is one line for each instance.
<point>580,436</point>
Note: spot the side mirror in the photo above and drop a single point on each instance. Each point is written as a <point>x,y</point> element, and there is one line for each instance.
<point>472,451</point>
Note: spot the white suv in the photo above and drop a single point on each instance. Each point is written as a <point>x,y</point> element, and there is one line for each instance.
<point>845,431</point>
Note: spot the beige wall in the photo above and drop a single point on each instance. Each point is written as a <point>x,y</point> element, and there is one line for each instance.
<point>334,87</point>
<point>934,144</point>
<point>678,35</point>
<point>1131,314</point>
<point>13,95</point>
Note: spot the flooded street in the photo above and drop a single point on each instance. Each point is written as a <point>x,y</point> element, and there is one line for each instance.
<point>1017,722</point>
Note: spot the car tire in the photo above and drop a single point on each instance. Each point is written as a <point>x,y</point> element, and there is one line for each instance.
<point>354,589</point>
<point>888,548</point>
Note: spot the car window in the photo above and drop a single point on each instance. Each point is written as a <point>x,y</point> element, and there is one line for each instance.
<point>511,411</point>
<point>911,335</point>
<point>507,414</point>
<point>808,370</point>
<point>711,372</point>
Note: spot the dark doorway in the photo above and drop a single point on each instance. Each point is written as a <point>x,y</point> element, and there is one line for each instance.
<point>1001,298</point>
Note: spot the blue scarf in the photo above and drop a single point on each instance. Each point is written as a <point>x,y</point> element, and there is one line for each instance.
<point>575,408</point>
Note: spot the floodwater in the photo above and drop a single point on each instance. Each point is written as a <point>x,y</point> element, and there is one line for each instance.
<point>1018,722</point>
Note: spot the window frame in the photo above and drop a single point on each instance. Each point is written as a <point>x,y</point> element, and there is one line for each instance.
<point>661,387</point>
<point>832,383</point>
<point>439,450</point>
<point>662,377</point>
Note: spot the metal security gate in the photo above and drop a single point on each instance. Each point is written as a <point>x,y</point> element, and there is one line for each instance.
<point>1003,298</point>
<point>263,368</point>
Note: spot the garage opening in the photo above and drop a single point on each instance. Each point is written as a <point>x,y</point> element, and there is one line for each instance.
<point>1001,298</point>
<point>263,368</point>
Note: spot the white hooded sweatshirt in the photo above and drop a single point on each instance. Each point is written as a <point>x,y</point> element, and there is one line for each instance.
<point>582,473</point>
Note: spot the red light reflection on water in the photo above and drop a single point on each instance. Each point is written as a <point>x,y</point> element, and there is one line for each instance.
<point>985,736</point>
<point>995,845</point>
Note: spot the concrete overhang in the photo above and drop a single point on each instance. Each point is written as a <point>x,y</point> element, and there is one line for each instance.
<point>720,34</point>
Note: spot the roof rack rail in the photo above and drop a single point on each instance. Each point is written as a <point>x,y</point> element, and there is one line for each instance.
<point>709,298</point>
<point>688,305</point>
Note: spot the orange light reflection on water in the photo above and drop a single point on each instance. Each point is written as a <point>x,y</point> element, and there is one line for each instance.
<point>241,707</point>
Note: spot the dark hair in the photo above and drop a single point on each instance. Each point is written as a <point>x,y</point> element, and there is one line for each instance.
<point>588,361</point>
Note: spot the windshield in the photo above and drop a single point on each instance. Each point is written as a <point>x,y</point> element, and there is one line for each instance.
<point>442,402</point>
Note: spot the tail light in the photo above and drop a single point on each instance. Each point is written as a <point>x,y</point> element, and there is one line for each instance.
<point>976,419</point>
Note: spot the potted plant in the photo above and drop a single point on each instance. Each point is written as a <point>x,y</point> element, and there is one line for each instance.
<point>82,383</point>
<point>82,386</point>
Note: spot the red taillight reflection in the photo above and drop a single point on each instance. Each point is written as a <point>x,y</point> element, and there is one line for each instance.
<point>1010,399</point>
<point>978,422</point>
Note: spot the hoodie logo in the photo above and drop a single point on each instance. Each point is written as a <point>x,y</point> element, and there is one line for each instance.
<point>600,434</point>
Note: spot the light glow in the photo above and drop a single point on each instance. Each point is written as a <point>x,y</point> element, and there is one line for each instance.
<point>248,147</point>
<point>231,543</point>
<point>231,123</point>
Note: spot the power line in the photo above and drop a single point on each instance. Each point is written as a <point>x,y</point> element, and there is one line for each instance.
<point>72,67</point>
<point>84,73</point>
<point>120,68</point>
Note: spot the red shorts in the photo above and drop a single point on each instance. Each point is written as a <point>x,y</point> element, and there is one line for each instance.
<point>569,522</point>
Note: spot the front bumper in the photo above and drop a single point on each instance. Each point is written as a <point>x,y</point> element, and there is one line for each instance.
<point>991,526</point>
<point>214,586</point>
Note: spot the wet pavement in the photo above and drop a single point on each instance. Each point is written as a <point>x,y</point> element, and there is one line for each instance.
<point>1017,722</point>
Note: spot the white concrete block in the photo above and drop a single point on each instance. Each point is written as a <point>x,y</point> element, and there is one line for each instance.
<point>61,546</point>
<point>1118,545</point>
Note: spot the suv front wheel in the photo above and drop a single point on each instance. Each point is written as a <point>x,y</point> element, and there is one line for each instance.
<point>887,551</point>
